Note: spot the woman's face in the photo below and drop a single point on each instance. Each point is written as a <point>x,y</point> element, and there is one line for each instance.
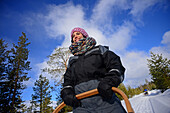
<point>77,36</point>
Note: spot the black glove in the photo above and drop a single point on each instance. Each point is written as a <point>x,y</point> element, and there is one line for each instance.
<point>105,86</point>
<point>69,98</point>
<point>105,90</point>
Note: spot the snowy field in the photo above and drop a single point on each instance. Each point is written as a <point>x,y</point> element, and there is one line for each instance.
<point>155,102</point>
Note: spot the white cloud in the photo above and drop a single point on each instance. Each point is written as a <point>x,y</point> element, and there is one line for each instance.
<point>30,82</point>
<point>161,50</point>
<point>120,40</point>
<point>61,18</point>
<point>166,38</point>
<point>165,48</point>
<point>41,66</point>
<point>103,11</point>
<point>140,6</point>
<point>136,68</point>
<point>135,64</point>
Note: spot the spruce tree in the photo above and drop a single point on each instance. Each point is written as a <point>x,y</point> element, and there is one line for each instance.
<point>130,92</point>
<point>4,82</point>
<point>14,67</point>
<point>20,65</point>
<point>33,106</point>
<point>42,96</point>
<point>159,68</point>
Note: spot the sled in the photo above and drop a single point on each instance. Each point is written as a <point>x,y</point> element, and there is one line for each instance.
<point>146,93</point>
<point>94,92</point>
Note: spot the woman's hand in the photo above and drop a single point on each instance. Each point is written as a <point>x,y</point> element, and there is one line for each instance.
<point>105,90</point>
<point>110,80</point>
<point>69,97</point>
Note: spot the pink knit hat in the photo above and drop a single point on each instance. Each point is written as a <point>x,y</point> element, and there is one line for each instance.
<point>81,30</point>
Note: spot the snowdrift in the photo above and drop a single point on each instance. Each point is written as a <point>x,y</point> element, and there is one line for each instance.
<point>154,102</point>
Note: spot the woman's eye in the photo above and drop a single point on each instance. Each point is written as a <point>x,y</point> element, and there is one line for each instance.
<point>77,33</point>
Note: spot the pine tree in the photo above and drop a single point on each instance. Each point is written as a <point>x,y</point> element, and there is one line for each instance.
<point>4,82</point>
<point>33,106</point>
<point>160,71</point>
<point>22,107</point>
<point>14,67</point>
<point>130,92</point>
<point>42,96</point>
<point>20,65</point>
<point>137,91</point>
<point>147,83</point>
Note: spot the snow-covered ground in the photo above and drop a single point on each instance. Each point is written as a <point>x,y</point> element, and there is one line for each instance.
<point>155,102</point>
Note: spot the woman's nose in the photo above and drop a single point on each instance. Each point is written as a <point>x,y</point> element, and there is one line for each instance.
<point>75,36</point>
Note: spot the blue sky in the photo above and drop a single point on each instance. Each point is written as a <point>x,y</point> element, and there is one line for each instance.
<point>131,28</point>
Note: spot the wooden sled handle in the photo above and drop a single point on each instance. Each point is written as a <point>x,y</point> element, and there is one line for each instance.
<point>94,92</point>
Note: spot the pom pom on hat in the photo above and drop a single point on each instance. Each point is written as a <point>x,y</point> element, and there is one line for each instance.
<point>81,30</point>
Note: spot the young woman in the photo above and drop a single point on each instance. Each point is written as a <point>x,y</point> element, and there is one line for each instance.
<point>92,67</point>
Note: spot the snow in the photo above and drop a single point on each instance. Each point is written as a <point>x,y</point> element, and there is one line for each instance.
<point>154,102</point>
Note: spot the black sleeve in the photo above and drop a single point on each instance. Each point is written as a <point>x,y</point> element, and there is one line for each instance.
<point>68,93</point>
<point>115,70</point>
<point>67,78</point>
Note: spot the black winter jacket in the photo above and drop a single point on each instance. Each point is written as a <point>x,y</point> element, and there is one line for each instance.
<point>96,64</point>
